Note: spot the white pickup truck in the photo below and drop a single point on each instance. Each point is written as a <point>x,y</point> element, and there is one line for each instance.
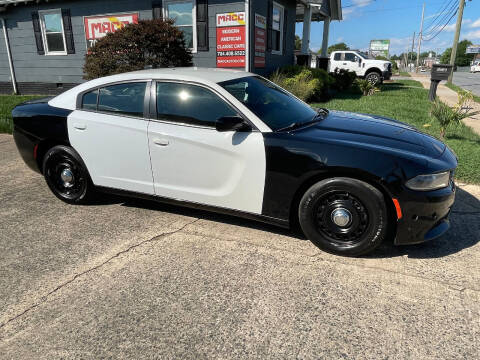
<point>375,71</point>
<point>475,66</point>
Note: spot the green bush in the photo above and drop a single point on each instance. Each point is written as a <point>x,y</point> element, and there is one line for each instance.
<point>343,79</point>
<point>365,87</point>
<point>305,83</point>
<point>302,85</point>
<point>155,43</point>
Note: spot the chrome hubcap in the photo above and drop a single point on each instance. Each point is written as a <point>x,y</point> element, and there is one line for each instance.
<point>67,177</point>
<point>341,217</point>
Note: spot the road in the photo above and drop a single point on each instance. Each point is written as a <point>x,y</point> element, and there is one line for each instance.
<point>135,279</point>
<point>468,81</point>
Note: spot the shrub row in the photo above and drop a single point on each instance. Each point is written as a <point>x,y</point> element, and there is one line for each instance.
<point>313,84</point>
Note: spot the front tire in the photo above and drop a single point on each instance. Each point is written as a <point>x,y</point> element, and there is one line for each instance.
<point>374,78</point>
<point>344,216</point>
<point>67,176</point>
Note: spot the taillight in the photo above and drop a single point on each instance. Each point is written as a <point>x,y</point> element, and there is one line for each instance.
<point>35,149</point>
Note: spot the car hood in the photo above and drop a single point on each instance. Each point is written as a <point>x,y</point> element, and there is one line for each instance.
<point>373,131</point>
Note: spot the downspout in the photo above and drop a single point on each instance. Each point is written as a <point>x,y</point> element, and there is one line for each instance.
<point>9,54</point>
<point>247,35</point>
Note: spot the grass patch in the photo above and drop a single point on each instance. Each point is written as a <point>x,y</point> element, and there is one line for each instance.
<point>7,103</point>
<point>458,88</point>
<point>407,101</point>
<point>404,73</point>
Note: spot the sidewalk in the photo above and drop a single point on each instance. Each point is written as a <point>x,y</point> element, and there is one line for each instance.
<point>451,98</point>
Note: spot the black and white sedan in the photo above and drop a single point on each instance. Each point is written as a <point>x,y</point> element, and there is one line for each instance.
<point>233,142</point>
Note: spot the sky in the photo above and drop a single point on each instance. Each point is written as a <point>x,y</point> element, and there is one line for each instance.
<point>365,20</point>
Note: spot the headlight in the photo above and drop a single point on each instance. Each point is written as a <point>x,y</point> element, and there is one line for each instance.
<point>429,182</point>
<point>385,66</point>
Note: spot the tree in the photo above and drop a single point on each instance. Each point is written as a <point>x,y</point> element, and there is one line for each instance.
<point>338,47</point>
<point>298,42</point>
<point>155,43</point>
<point>462,59</point>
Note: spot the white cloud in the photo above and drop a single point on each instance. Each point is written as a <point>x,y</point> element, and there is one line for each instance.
<point>475,24</point>
<point>472,35</point>
<point>399,45</point>
<point>340,39</point>
<point>357,4</point>
<point>450,27</point>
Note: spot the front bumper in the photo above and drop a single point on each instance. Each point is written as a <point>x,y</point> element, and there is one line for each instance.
<point>387,74</point>
<point>425,215</point>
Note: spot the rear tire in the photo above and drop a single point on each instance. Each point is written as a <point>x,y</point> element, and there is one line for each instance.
<point>67,176</point>
<point>344,216</point>
<point>374,78</point>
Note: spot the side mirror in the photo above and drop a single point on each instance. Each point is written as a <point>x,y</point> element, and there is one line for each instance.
<point>232,123</point>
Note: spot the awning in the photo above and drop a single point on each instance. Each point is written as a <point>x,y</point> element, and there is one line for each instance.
<point>321,9</point>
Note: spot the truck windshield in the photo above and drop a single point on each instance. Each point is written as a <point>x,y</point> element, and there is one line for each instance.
<point>363,55</point>
<point>273,105</point>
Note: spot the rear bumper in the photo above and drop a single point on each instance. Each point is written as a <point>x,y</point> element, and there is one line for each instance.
<point>425,215</point>
<point>26,145</point>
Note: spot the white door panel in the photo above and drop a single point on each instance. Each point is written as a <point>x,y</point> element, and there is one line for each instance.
<point>202,165</point>
<point>114,149</point>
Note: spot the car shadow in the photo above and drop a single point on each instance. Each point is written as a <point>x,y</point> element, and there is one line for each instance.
<point>209,215</point>
<point>464,232</point>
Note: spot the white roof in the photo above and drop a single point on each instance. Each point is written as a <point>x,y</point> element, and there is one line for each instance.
<point>207,76</point>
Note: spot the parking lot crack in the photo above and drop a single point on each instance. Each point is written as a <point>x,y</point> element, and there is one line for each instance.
<point>319,257</point>
<point>45,297</point>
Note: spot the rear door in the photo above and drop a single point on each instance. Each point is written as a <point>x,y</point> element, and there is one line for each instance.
<point>336,62</point>
<point>109,131</point>
<point>192,161</point>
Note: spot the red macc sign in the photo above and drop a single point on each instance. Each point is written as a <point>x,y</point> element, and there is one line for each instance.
<point>231,40</point>
<point>97,27</point>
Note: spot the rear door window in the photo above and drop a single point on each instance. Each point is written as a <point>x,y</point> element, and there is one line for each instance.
<point>337,57</point>
<point>89,100</point>
<point>124,99</point>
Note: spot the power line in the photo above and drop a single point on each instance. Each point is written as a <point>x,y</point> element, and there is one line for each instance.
<point>444,26</point>
<point>441,12</point>
<point>453,8</point>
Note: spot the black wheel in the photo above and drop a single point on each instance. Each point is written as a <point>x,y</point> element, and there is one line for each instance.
<point>66,175</point>
<point>344,216</point>
<point>374,78</point>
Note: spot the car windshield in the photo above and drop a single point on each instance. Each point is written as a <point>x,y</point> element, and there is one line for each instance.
<point>273,105</point>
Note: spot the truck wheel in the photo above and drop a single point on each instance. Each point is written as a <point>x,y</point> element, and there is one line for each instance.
<point>374,78</point>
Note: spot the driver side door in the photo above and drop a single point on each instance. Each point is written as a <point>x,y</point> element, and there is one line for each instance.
<point>192,161</point>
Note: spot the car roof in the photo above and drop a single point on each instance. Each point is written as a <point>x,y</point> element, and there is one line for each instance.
<point>207,76</point>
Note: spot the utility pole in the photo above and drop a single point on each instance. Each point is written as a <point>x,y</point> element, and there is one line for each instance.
<point>457,36</point>
<point>420,37</point>
<point>413,46</point>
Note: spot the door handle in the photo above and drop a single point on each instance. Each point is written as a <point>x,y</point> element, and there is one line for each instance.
<point>344,63</point>
<point>80,126</point>
<point>161,142</point>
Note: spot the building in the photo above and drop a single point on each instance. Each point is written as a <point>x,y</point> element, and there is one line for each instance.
<point>45,41</point>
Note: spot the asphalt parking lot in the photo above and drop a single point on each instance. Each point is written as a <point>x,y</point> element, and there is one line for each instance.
<point>136,279</point>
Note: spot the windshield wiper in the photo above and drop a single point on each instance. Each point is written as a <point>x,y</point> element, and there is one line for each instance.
<point>322,113</point>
